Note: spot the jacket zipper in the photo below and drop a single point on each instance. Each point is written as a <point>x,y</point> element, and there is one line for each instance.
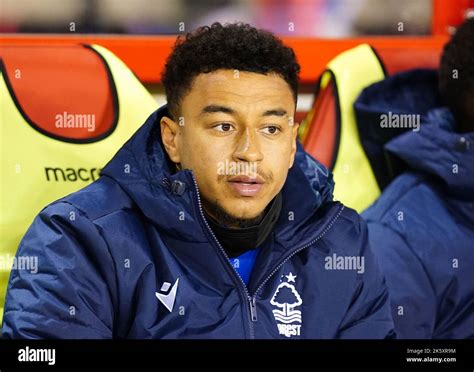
<point>252,300</point>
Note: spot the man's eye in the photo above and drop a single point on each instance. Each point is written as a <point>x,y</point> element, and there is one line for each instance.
<point>223,127</point>
<point>272,129</point>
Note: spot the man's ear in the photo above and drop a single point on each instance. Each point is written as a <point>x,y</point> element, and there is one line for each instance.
<point>294,138</point>
<point>170,135</point>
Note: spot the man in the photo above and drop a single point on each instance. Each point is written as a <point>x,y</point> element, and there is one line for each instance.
<point>422,227</point>
<point>210,222</point>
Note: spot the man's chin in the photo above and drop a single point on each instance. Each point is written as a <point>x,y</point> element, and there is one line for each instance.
<point>238,214</point>
<point>243,208</point>
<point>245,216</point>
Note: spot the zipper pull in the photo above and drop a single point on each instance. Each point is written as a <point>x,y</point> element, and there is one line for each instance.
<point>166,183</point>
<point>253,308</point>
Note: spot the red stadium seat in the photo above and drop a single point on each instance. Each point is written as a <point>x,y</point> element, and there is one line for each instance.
<point>48,80</point>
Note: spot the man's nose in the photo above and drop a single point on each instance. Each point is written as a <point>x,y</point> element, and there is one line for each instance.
<point>248,147</point>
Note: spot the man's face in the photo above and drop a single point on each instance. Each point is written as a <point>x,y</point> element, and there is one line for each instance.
<point>236,133</point>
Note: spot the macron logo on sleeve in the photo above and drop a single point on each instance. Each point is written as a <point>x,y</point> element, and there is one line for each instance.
<point>166,297</point>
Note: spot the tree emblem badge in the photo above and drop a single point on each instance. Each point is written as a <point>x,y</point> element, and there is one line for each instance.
<point>286,298</point>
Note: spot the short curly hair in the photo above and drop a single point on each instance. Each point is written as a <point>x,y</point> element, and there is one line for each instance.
<point>456,75</point>
<point>235,46</point>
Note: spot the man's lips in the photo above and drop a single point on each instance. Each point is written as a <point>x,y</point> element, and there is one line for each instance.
<point>246,186</point>
<point>246,179</point>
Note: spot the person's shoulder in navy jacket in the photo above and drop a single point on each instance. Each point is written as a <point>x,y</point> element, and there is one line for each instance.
<point>422,226</point>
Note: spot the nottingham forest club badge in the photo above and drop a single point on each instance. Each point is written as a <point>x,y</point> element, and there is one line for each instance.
<point>286,299</point>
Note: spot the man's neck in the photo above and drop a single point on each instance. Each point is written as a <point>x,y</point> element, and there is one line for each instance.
<point>238,240</point>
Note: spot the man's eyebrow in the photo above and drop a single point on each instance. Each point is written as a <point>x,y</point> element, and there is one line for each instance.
<point>275,112</point>
<point>210,109</point>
